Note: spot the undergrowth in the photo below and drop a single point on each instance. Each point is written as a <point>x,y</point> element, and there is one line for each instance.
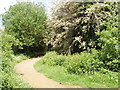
<point>76,70</point>
<point>9,78</point>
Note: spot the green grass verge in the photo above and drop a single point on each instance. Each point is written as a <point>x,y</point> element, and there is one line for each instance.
<point>60,74</point>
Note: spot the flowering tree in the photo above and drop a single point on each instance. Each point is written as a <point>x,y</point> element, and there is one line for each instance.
<point>74,25</point>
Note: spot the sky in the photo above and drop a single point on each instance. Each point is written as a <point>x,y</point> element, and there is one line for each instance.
<point>5,4</point>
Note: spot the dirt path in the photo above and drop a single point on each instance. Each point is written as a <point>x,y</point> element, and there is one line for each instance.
<point>37,80</point>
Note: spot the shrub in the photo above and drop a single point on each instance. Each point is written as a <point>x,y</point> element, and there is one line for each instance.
<point>109,36</point>
<point>109,54</point>
<point>52,59</point>
<point>6,50</point>
<point>83,63</point>
<point>9,78</point>
<point>77,64</point>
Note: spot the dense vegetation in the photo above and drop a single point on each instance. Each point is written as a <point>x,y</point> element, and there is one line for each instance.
<point>100,31</point>
<point>9,79</point>
<point>24,27</point>
<point>26,23</point>
<point>91,31</point>
<point>83,36</point>
<point>78,69</point>
<point>74,26</point>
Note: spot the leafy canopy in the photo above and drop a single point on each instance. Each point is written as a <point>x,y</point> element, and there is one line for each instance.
<point>26,22</point>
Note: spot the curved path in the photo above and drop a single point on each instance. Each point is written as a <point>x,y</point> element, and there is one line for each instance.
<point>37,80</point>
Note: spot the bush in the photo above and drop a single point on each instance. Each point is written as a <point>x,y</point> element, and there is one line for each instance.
<point>83,63</point>
<point>52,59</point>
<point>101,79</point>
<point>109,54</point>
<point>78,63</point>
<point>9,79</point>
<point>108,41</point>
<point>6,50</point>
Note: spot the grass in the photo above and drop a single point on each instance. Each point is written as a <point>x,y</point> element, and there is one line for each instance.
<point>60,74</point>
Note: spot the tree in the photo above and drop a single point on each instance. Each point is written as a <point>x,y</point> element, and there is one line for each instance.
<point>74,25</point>
<point>26,21</point>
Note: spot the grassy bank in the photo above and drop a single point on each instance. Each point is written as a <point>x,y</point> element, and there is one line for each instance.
<point>59,73</point>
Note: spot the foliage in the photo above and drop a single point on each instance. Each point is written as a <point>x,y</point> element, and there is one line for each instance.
<point>101,63</point>
<point>6,44</point>
<point>26,22</point>
<point>24,27</point>
<point>109,54</point>
<point>77,64</point>
<point>85,62</point>
<point>74,25</point>
<point>97,80</point>
<point>9,79</point>
<point>104,35</point>
<point>52,59</point>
